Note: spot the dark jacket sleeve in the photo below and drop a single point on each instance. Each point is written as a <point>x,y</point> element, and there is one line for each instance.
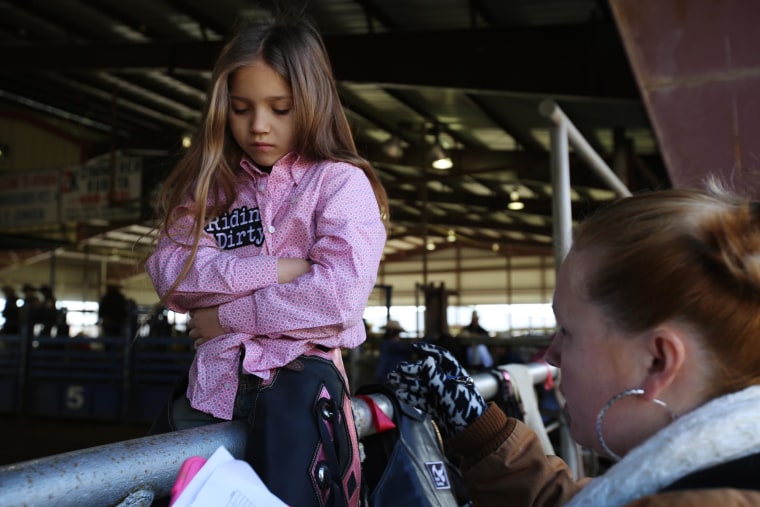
<point>503,463</point>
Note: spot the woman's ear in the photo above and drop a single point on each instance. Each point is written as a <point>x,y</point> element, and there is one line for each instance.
<point>666,347</point>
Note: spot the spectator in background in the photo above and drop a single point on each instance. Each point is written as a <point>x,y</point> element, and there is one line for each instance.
<point>474,328</point>
<point>11,312</point>
<point>62,324</point>
<point>158,323</point>
<point>393,349</point>
<point>113,311</point>
<point>478,355</point>
<point>29,314</point>
<point>133,322</point>
<point>48,311</point>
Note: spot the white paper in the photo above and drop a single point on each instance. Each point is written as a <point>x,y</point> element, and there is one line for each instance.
<point>224,481</point>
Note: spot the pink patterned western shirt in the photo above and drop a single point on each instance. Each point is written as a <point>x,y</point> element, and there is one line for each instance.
<point>324,212</point>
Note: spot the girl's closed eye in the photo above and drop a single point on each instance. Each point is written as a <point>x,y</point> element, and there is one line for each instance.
<point>238,106</point>
<point>281,112</point>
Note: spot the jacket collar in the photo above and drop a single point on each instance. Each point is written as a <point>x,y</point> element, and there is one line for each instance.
<point>722,430</point>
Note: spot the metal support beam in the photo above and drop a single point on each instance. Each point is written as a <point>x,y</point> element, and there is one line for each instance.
<point>551,110</point>
<point>565,49</point>
<point>698,70</point>
<point>562,211</point>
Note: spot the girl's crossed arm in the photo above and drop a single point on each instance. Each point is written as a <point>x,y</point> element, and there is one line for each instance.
<point>215,276</point>
<point>350,237</point>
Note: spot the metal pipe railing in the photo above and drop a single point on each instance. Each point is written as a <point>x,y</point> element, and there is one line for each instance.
<point>562,211</point>
<point>551,110</point>
<point>562,132</point>
<point>135,472</point>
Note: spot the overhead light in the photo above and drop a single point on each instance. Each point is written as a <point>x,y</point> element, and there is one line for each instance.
<point>515,204</point>
<point>441,159</point>
<point>495,247</point>
<point>430,246</point>
<point>187,141</point>
<point>3,151</point>
<point>393,147</point>
<point>451,236</point>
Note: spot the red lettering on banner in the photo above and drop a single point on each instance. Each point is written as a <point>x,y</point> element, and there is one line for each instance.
<point>44,179</point>
<point>90,199</point>
<point>10,183</point>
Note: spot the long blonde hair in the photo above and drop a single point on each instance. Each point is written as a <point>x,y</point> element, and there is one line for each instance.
<point>207,172</point>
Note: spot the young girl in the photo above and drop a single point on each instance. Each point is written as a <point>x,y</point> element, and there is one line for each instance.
<point>268,225</point>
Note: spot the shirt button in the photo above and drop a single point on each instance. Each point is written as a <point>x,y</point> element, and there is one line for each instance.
<point>262,187</point>
<point>271,228</point>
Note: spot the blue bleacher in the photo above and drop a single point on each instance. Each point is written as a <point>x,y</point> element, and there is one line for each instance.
<point>101,378</point>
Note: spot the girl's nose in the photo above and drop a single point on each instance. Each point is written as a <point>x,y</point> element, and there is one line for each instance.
<point>259,124</point>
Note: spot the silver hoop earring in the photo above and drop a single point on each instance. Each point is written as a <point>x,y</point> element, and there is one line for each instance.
<point>615,399</point>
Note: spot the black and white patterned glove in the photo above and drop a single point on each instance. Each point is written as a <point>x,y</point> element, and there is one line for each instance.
<point>440,386</point>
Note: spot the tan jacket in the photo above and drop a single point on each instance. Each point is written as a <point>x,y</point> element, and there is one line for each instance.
<point>504,464</point>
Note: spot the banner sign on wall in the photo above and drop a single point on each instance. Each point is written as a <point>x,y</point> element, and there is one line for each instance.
<point>104,189</point>
<point>28,198</point>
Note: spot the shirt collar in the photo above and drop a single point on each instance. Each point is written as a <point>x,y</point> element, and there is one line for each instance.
<point>291,165</point>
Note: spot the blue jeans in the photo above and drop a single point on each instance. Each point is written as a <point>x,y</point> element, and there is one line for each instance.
<point>185,416</point>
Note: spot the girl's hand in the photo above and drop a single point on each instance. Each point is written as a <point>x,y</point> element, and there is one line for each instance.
<point>289,269</point>
<point>204,325</point>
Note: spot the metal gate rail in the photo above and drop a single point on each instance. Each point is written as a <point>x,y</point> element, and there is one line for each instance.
<point>135,472</point>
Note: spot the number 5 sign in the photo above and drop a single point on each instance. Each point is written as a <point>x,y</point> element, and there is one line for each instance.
<point>75,397</point>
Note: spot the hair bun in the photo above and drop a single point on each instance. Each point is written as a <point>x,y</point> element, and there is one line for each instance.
<point>733,245</point>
